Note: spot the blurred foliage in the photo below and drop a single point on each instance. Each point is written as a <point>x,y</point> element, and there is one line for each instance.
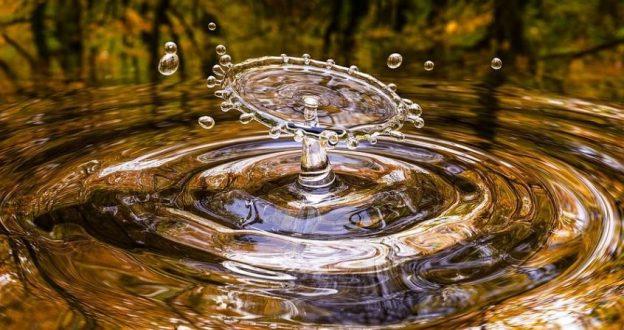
<point>566,46</point>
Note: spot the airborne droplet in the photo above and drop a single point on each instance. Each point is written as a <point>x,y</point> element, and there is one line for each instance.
<point>392,87</point>
<point>211,82</point>
<point>395,60</point>
<point>206,122</point>
<point>171,47</point>
<point>429,65</point>
<point>221,50</point>
<point>353,69</point>
<point>212,26</point>
<point>306,59</point>
<point>496,63</point>
<point>168,64</point>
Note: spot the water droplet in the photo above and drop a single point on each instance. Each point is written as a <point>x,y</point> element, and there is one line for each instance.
<point>330,63</point>
<point>218,70</point>
<point>429,65</point>
<point>496,63</point>
<point>298,135</point>
<point>392,87</point>
<point>353,69</point>
<point>222,94</point>
<point>225,60</point>
<point>246,118</point>
<point>211,82</point>
<point>221,50</point>
<point>206,122</point>
<point>285,58</point>
<point>275,132</point>
<point>352,143</point>
<point>212,26</point>
<point>415,109</point>
<point>168,64</point>
<point>418,122</point>
<point>372,139</point>
<point>226,106</point>
<point>171,47</point>
<point>306,59</point>
<point>395,60</point>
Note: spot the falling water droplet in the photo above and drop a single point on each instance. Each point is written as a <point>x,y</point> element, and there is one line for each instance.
<point>171,47</point>
<point>275,132</point>
<point>246,118</point>
<point>496,63</point>
<point>306,59</point>
<point>211,82</point>
<point>392,87</point>
<point>395,60</point>
<point>429,65</point>
<point>206,122</point>
<point>330,63</point>
<point>285,58</point>
<point>168,64</point>
<point>353,69</point>
<point>221,50</point>
<point>226,106</point>
<point>225,60</point>
<point>212,26</point>
<point>352,143</point>
<point>299,135</point>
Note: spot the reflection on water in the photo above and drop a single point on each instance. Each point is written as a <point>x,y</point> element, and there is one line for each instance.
<point>510,215</point>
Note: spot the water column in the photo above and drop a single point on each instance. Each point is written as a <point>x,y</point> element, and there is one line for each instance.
<point>316,170</point>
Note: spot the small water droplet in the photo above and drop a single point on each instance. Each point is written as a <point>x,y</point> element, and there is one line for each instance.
<point>372,139</point>
<point>222,94</point>
<point>226,106</point>
<point>171,47</point>
<point>353,69</point>
<point>218,70</point>
<point>330,63</point>
<point>275,132</point>
<point>415,109</point>
<point>221,50</point>
<point>285,58</point>
<point>168,64</point>
<point>211,82</point>
<point>246,118</point>
<point>306,59</point>
<point>496,63</point>
<point>206,122</point>
<point>298,135</point>
<point>352,143</point>
<point>395,60</point>
<point>429,65</point>
<point>392,87</point>
<point>225,60</point>
<point>418,122</point>
<point>212,26</point>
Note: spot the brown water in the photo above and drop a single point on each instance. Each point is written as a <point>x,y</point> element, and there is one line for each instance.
<point>108,199</point>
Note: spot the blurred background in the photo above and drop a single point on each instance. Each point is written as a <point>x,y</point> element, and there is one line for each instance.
<point>564,46</point>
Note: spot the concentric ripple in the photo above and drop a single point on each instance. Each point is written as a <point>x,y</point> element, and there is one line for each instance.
<point>511,223</point>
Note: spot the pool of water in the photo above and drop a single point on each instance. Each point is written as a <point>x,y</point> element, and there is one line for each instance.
<point>507,212</point>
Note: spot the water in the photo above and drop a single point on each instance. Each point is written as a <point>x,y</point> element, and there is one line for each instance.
<point>496,63</point>
<point>394,60</point>
<point>429,65</point>
<point>506,211</point>
<point>212,26</point>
